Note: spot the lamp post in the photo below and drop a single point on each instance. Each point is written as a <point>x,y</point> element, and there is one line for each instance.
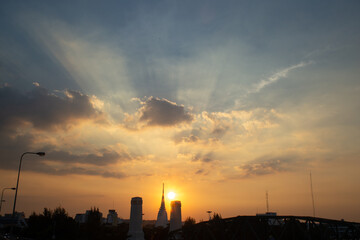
<point>209,212</point>
<point>17,183</point>
<point>2,195</point>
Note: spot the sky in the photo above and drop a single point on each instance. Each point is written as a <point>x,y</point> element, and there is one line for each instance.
<point>222,101</point>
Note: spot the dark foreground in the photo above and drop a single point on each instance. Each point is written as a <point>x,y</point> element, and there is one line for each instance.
<point>270,227</point>
<point>58,225</point>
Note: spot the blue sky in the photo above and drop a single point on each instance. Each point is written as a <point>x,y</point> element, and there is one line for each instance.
<point>214,91</point>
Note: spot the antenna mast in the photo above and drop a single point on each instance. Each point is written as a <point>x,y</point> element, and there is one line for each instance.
<point>267,201</point>
<point>312,195</point>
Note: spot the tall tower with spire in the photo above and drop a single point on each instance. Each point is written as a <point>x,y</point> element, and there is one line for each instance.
<point>162,219</point>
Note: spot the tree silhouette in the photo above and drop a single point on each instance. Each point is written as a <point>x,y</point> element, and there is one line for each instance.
<point>189,221</point>
<point>188,228</point>
<point>93,225</point>
<point>56,224</point>
<point>52,224</point>
<point>216,217</point>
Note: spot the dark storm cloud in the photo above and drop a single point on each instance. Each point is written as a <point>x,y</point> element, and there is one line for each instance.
<point>162,112</point>
<point>43,109</point>
<point>268,165</point>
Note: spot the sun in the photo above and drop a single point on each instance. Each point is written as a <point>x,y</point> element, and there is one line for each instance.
<point>171,195</point>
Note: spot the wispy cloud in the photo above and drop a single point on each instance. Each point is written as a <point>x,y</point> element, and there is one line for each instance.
<point>268,165</point>
<point>277,76</point>
<point>74,170</point>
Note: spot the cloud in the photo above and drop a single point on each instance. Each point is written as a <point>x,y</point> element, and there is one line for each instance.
<point>43,109</point>
<point>61,162</point>
<point>201,172</point>
<point>277,76</point>
<point>191,139</point>
<point>40,167</point>
<point>267,165</point>
<point>27,119</point>
<point>185,137</point>
<point>162,112</point>
<point>102,157</point>
<point>220,131</point>
<point>205,158</point>
<point>212,127</point>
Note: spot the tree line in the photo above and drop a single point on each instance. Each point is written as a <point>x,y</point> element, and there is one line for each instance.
<point>57,224</point>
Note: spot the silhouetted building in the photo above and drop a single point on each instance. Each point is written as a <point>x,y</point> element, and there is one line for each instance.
<point>10,221</point>
<point>83,217</point>
<point>271,221</point>
<point>135,226</point>
<point>80,218</point>
<point>162,219</point>
<point>175,216</point>
<point>112,217</point>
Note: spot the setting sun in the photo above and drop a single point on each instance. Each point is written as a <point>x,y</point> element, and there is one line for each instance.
<point>171,195</point>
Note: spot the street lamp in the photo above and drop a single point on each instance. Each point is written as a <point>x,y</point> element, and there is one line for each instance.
<point>17,183</point>
<point>209,212</point>
<point>2,195</point>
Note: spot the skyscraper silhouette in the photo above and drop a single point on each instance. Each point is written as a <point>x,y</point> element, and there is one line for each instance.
<point>135,226</point>
<point>175,216</point>
<point>162,219</point>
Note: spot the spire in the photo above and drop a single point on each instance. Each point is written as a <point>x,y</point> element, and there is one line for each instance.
<point>163,198</point>
<point>162,214</point>
<point>162,206</point>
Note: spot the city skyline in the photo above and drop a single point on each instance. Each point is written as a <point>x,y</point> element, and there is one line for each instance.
<point>221,101</point>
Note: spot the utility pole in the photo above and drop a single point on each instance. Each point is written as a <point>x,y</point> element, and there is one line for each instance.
<point>312,195</point>
<point>267,201</point>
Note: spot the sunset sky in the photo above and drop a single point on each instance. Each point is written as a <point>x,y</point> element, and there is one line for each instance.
<point>220,100</point>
